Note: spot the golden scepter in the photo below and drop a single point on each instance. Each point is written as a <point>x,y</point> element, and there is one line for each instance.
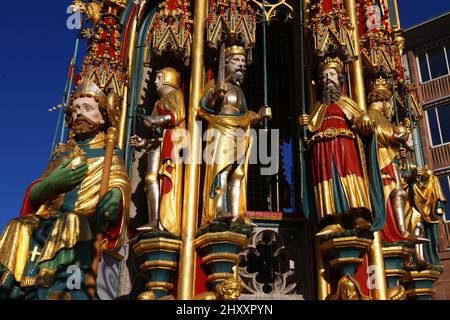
<point>110,144</point>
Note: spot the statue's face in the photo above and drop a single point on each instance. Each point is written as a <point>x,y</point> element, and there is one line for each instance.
<point>86,115</point>
<point>161,88</point>
<point>330,77</point>
<point>159,81</point>
<point>236,66</point>
<point>349,291</point>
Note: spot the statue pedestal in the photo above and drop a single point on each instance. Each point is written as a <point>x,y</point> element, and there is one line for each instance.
<point>394,257</point>
<point>419,284</point>
<point>159,263</point>
<point>220,253</point>
<point>345,253</point>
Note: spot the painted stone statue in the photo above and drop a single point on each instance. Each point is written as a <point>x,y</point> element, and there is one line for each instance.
<point>224,107</point>
<point>164,173</point>
<point>48,252</point>
<point>389,138</point>
<point>335,124</point>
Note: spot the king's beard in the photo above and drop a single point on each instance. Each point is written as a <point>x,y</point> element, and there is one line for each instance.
<point>84,128</point>
<point>237,76</point>
<point>331,92</point>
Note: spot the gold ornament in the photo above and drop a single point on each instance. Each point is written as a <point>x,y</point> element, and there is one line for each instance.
<point>380,84</point>
<point>170,77</point>
<point>334,63</point>
<point>229,51</point>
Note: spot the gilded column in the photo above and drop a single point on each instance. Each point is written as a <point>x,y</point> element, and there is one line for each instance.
<point>192,169</point>
<point>357,92</point>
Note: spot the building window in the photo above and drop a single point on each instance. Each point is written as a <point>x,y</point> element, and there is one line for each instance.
<point>434,63</point>
<point>445,184</point>
<point>439,130</point>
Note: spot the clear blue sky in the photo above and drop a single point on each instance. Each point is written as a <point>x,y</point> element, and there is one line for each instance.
<point>35,53</point>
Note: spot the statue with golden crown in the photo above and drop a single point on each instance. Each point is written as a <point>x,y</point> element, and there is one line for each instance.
<point>164,168</point>
<point>51,251</point>
<point>226,154</point>
<point>341,158</point>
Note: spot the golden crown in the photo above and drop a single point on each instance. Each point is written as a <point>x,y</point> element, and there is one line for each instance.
<point>229,51</point>
<point>170,77</point>
<point>329,62</point>
<point>379,84</point>
<point>88,88</point>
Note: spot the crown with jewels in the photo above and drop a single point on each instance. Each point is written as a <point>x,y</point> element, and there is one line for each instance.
<point>380,84</point>
<point>330,62</point>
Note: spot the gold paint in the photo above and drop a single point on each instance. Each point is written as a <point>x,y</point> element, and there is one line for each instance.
<point>420,292</point>
<point>159,285</point>
<point>230,289</point>
<point>147,295</point>
<point>323,285</point>
<point>344,242</point>
<point>156,244</point>
<point>355,191</point>
<point>59,295</point>
<point>221,237</point>
<point>344,261</point>
<point>225,149</point>
<point>123,119</point>
<point>357,91</point>
<point>158,264</point>
<point>192,169</point>
<point>170,204</point>
<point>422,275</point>
<point>375,257</point>
<point>221,256</point>
<point>220,276</point>
<point>398,251</point>
<point>14,244</point>
<point>348,289</point>
<point>397,293</point>
<point>70,227</point>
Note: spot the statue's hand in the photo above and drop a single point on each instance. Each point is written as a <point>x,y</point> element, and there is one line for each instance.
<point>62,179</point>
<point>365,124</point>
<point>265,113</point>
<point>107,209</point>
<point>137,142</point>
<point>401,134</point>
<point>149,122</point>
<point>65,177</point>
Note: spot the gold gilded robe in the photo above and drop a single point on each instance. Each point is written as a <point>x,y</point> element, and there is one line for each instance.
<point>224,147</point>
<point>171,170</point>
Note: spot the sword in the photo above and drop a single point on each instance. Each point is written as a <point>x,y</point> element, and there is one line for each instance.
<point>220,85</point>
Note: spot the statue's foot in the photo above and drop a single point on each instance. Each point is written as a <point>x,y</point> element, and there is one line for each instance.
<point>361,224</point>
<point>223,216</point>
<point>243,220</point>
<point>329,229</point>
<point>148,227</point>
<point>414,238</point>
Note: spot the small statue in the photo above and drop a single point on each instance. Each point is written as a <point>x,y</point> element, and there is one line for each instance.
<point>224,107</point>
<point>389,139</point>
<point>62,214</point>
<point>334,125</point>
<point>424,211</point>
<point>230,289</point>
<point>348,289</point>
<point>164,174</point>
